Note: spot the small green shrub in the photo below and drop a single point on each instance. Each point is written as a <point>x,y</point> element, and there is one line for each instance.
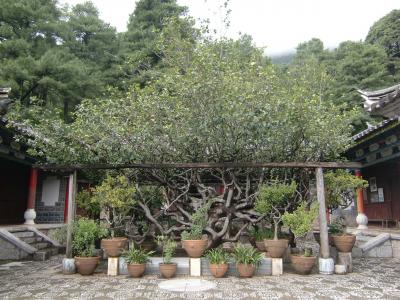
<point>217,256</point>
<point>85,233</point>
<point>85,202</point>
<point>337,227</point>
<point>308,252</point>
<point>301,220</point>
<point>246,255</point>
<point>116,196</point>
<point>59,234</point>
<point>168,248</point>
<point>137,256</point>
<point>199,220</point>
<point>260,234</point>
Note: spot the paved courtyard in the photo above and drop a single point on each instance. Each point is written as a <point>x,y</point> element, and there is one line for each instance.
<point>372,279</point>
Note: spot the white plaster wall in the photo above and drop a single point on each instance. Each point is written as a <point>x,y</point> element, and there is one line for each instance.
<point>50,191</point>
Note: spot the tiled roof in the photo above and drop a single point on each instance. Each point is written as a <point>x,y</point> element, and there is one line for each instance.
<point>385,102</point>
<point>380,126</point>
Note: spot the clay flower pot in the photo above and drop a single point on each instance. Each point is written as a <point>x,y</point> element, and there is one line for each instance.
<point>246,270</point>
<point>86,265</point>
<point>194,248</point>
<point>168,270</point>
<point>136,270</point>
<point>303,264</point>
<point>114,246</point>
<point>344,243</point>
<point>260,246</point>
<point>276,248</point>
<point>218,270</point>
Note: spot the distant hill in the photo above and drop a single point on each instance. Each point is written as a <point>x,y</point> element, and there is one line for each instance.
<point>282,59</point>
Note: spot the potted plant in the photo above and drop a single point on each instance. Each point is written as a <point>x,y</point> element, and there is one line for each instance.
<point>192,240</point>
<point>218,261</point>
<point>258,235</point>
<point>273,201</point>
<point>247,259</point>
<point>84,235</point>
<point>344,242</point>
<point>115,197</point>
<point>167,267</point>
<point>300,222</point>
<point>136,260</point>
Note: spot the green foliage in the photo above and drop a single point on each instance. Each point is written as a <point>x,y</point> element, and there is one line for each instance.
<point>168,248</point>
<point>137,256</point>
<point>386,33</point>
<point>337,227</point>
<point>260,234</point>
<point>217,256</point>
<point>301,220</point>
<point>59,235</point>
<point>215,101</point>
<point>84,201</point>
<point>308,252</point>
<point>341,187</point>
<point>246,255</point>
<point>199,221</point>
<point>275,194</point>
<point>85,233</point>
<point>116,196</point>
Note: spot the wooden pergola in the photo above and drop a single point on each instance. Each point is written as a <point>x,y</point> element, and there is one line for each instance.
<point>317,166</point>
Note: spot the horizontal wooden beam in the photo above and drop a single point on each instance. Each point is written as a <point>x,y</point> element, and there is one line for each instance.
<point>205,165</point>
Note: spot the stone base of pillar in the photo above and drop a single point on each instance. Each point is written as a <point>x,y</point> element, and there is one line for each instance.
<point>362,221</point>
<point>30,216</point>
<point>68,266</point>
<point>326,266</point>
<point>344,258</point>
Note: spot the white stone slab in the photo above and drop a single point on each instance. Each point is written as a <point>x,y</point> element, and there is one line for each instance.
<point>187,285</point>
<point>195,266</point>
<point>277,266</point>
<point>340,269</point>
<point>112,266</point>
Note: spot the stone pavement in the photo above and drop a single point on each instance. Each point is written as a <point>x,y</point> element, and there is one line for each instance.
<point>373,278</point>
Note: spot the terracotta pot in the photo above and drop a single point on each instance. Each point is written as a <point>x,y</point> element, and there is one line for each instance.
<point>218,270</point>
<point>246,270</point>
<point>194,248</point>
<point>86,265</point>
<point>317,238</point>
<point>261,246</point>
<point>276,248</point>
<point>302,264</point>
<point>168,270</point>
<point>114,246</point>
<point>136,270</point>
<point>344,243</point>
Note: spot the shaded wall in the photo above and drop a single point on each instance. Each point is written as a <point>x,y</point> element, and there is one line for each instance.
<point>14,182</point>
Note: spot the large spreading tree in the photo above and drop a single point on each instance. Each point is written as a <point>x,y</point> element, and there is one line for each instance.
<point>214,101</point>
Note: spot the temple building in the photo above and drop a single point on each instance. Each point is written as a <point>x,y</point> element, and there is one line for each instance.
<point>27,195</point>
<point>378,149</point>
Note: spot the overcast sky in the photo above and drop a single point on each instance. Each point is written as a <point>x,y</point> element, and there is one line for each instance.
<point>278,25</point>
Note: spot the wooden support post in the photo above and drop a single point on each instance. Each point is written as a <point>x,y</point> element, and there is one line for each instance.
<point>72,189</point>
<point>323,227</point>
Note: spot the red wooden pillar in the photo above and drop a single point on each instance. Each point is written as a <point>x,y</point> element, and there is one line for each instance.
<point>362,219</point>
<point>30,213</point>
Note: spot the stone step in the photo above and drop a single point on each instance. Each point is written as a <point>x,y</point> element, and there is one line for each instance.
<point>41,245</point>
<point>374,242</point>
<point>23,234</point>
<point>32,240</point>
<point>45,253</point>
